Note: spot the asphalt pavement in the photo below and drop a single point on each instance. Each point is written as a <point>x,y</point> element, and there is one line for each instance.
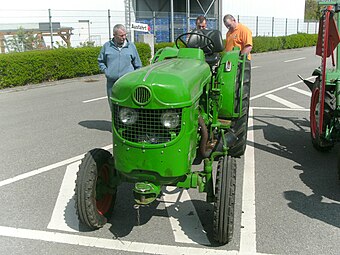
<point>287,194</point>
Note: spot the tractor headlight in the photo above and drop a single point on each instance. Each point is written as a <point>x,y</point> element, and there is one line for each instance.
<point>128,116</point>
<point>170,119</point>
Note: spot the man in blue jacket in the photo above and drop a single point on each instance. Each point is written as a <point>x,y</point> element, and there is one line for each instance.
<point>117,57</point>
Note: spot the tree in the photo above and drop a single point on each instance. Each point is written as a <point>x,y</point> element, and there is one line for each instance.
<point>312,11</point>
<point>24,40</point>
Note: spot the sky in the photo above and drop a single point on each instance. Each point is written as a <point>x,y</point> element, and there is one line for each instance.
<point>266,8</point>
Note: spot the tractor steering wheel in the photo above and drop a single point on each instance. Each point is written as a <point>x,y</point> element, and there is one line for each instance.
<point>207,46</point>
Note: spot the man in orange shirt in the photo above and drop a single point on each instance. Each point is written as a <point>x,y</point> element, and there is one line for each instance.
<point>238,35</point>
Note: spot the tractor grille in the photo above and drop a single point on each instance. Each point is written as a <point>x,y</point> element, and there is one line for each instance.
<point>148,127</point>
<point>142,95</point>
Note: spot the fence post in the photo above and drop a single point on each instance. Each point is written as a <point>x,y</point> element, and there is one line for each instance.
<point>154,24</point>
<point>172,21</point>
<point>297,26</point>
<point>51,28</point>
<point>257,25</point>
<point>109,21</point>
<point>188,15</point>
<point>307,27</point>
<point>316,27</point>
<point>286,26</point>
<point>272,26</point>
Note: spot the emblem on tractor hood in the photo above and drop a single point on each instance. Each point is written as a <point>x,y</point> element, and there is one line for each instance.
<point>142,95</point>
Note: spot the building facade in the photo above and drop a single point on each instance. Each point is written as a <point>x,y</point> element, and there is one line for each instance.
<point>172,17</point>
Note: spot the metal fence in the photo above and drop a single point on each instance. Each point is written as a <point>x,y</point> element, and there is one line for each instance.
<point>76,28</point>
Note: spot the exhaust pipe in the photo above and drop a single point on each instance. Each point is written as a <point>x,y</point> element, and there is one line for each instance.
<point>206,148</point>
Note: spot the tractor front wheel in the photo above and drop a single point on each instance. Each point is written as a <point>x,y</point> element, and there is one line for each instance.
<point>318,138</point>
<point>94,198</point>
<point>224,199</point>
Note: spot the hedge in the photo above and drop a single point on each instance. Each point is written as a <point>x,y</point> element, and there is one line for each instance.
<point>17,69</point>
<point>263,43</point>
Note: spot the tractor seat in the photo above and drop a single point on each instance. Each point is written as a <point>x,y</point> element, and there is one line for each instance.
<point>212,59</point>
<point>212,52</point>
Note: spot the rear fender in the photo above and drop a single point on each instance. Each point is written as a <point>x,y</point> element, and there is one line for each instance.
<point>227,74</point>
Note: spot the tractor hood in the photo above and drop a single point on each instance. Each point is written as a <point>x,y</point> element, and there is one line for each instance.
<point>176,82</point>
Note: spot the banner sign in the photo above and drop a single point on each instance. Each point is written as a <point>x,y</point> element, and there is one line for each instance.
<point>140,27</point>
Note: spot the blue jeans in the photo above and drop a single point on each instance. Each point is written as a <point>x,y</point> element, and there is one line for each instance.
<point>109,85</point>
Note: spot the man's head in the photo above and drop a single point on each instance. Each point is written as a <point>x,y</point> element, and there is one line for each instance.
<point>119,34</point>
<point>230,22</point>
<point>201,22</point>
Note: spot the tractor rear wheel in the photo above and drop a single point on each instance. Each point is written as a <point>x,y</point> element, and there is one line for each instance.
<point>94,198</point>
<point>318,140</point>
<point>240,125</point>
<point>224,199</point>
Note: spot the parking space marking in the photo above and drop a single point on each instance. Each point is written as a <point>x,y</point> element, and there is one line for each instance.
<point>111,244</point>
<point>45,168</point>
<point>278,89</point>
<point>301,91</point>
<point>185,223</point>
<point>280,109</point>
<point>255,67</point>
<point>64,215</point>
<point>94,99</point>
<point>295,59</point>
<point>283,101</point>
<point>248,218</point>
<point>40,170</point>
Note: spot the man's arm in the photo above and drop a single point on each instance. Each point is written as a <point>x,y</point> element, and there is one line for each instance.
<point>102,60</point>
<point>137,63</point>
<point>247,49</point>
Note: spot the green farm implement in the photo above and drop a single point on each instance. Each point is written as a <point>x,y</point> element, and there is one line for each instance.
<point>325,101</point>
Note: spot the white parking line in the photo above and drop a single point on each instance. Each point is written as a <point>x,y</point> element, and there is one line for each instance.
<point>301,91</point>
<point>248,218</point>
<point>118,245</point>
<point>255,67</point>
<point>185,223</point>
<point>283,101</point>
<point>94,99</point>
<point>277,89</point>
<point>45,168</point>
<point>295,59</point>
<point>64,215</point>
<point>280,109</point>
<point>183,217</point>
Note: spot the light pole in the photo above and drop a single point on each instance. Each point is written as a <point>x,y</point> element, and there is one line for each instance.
<point>88,26</point>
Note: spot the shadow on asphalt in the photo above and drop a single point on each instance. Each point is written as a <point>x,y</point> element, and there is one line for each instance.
<point>125,217</point>
<point>102,125</point>
<point>318,169</point>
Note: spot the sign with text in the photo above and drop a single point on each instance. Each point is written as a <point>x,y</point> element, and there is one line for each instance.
<point>140,27</point>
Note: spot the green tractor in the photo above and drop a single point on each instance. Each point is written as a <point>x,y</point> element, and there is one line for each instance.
<point>190,105</point>
<point>325,100</point>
